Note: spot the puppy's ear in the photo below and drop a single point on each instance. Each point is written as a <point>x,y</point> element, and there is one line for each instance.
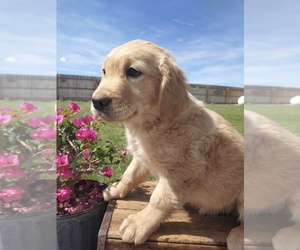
<point>173,96</point>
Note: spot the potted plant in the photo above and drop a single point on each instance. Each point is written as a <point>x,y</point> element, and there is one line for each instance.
<point>50,166</point>
<point>82,158</point>
<point>27,177</point>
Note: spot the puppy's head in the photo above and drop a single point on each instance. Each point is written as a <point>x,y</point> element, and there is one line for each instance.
<point>139,78</point>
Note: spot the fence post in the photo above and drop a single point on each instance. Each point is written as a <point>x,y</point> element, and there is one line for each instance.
<point>206,94</point>
<point>226,96</point>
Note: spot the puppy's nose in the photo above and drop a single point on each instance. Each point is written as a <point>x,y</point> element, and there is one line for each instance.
<point>101,103</point>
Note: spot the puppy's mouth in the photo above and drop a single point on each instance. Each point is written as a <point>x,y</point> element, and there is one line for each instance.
<point>110,110</point>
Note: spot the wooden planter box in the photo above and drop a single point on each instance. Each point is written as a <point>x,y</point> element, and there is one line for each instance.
<point>183,230</point>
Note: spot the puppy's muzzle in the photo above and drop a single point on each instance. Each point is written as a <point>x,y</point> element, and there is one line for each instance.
<point>102,103</point>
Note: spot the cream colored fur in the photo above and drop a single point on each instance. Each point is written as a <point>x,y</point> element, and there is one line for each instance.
<point>197,157</point>
<point>272,175</point>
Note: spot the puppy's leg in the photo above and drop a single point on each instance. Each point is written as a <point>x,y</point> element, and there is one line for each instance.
<point>235,239</point>
<point>134,174</point>
<point>138,227</point>
<point>289,237</point>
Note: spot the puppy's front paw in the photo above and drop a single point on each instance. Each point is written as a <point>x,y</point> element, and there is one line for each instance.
<point>287,238</point>
<point>137,228</point>
<point>235,239</point>
<point>113,191</point>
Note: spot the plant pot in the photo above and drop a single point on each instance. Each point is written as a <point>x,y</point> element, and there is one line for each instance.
<point>80,231</point>
<point>28,231</point>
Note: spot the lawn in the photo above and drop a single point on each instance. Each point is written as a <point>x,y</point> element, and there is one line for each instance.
<point>232,113</point>
<point>287,116</point>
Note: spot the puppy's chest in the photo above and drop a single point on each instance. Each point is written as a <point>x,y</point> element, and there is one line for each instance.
<point>158,150</point>
<point>143,149</point>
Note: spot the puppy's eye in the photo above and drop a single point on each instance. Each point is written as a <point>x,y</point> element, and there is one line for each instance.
<point>132,72</point>
<point>103,72</point>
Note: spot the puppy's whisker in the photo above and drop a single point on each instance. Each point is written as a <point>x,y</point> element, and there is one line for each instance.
<point>125,106</point>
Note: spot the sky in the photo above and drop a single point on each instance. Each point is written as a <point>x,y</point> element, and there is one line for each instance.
<point>205,37</point>
<point>216,42</point>
<point>272,43</point>
<point>28,37</point>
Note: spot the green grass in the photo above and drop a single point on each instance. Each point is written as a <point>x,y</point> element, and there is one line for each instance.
<point>232,113</point>
<point>287,116</point>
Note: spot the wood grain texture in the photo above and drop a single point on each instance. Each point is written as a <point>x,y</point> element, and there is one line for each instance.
<point>182,230</point>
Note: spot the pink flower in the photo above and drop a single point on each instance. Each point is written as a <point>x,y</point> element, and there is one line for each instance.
<point>86,133</point>
<point>35,122</point>
<point>59,119</point>
<point>9,160</point>
<point>65,173</point>
<point>83,120</point>
<point>47,153</point>
<point>95,117</point>
<point>124,152</point>
<point>78,122</point>
<point>15,173</point>
<point>5,118</point>
<point>108,172</point>
<point>28,107</point>
<point>60,110</point>
<point>62,161</point>
<point>74,209</point>
<point>43,133</point>
<point>123,155</point>
<point>11,194</point>
<point>49,119</point>
<point>5,110</point>
<point>74,107</point>
<point>63,194</point>
<point>86,153</point>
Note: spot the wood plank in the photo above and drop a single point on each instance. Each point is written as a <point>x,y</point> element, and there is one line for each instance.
<point>182,230</point>
<point>117,244</point>
<point>246,247</point>
<point>102,234</point>
<point>182,227</point>
<point>138,198</point>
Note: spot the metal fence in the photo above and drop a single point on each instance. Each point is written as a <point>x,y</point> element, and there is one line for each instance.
<point>80,88</point>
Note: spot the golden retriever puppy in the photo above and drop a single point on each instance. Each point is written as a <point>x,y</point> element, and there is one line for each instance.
<point>195,154</point>
<point>272,178</point>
